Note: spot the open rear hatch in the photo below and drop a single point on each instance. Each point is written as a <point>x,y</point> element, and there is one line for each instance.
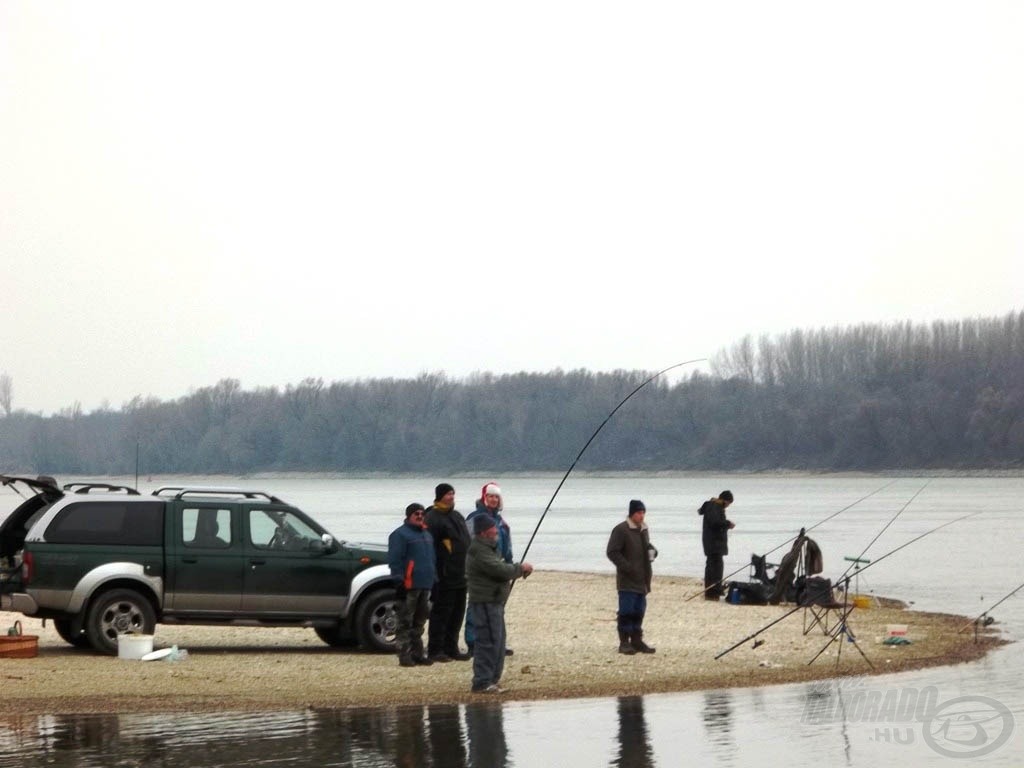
<point>38,494</point>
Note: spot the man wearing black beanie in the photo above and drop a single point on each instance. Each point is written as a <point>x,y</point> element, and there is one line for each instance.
<point>715,538</point>
<point>451,542</point>
<point>630,549</point>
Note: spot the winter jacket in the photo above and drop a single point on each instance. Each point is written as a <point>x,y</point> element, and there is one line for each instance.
<point>488,576</point>
<point>504,531</point>
<point>451,542</point>
<point>628,548</point>
<point>411,556</point>
<point>715,534</point>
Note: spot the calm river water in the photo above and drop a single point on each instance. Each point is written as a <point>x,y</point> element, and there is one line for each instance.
<point>970,712</point>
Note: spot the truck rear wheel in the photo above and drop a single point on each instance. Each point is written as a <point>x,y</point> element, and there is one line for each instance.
<point>118,612</point>
<point>68,635</point>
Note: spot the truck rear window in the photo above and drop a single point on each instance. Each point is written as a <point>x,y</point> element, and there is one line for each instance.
<point>137,524</point>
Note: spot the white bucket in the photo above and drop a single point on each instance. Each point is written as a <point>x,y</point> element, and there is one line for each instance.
<point>134,646</point>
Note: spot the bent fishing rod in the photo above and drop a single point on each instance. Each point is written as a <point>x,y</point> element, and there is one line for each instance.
<point>876,561</point>
<point>985,613</point>
<point>790,540</point>
<point>568,472</point>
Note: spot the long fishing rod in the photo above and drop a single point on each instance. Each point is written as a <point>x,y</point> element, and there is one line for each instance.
<point>790,540</point>
<point>859,559</point>
<point>876,561</point>
<point>984,613</point>
<point>587,445</point>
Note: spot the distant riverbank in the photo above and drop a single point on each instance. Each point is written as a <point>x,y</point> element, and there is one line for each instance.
<point>561,625</point>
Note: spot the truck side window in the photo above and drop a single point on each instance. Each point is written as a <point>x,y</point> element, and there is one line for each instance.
<point>278,529</point>
<point>124,523</point>
<point>206,528</point>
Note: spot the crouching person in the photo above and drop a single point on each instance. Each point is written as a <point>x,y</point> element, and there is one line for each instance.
<point>411,558</point>
<point>488,579</point>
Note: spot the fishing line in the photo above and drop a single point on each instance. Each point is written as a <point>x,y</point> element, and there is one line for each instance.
<point>587,445</point>
<point>977,618</point>
<point>788,541</point>
<point>876,561</point>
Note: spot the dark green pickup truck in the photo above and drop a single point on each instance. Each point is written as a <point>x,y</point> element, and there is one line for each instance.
<point>102,560</point>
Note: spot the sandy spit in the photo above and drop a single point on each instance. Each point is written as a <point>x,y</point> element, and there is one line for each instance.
<point>561,626</point>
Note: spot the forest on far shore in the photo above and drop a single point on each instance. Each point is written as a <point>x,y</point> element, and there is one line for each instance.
<point>947,394</point>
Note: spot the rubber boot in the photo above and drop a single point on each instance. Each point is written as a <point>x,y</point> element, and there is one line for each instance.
<point>624,645</point>
<point>637,639</point>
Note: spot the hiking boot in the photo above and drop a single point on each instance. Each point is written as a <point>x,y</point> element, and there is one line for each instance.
<point>637,641</point>
<point>492,688</point>
<point>405,660</point>
<point>458,655</point>
<point>423,661</point>
<point>441,658</point>
<point>624,645</point>
<point>509,651</point>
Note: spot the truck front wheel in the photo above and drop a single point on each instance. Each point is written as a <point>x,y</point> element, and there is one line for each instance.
<point>118,612</point>
<point>377,621</point>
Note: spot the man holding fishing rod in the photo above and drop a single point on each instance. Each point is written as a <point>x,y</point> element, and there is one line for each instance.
<point>489,577</point>
<point>715,537</point>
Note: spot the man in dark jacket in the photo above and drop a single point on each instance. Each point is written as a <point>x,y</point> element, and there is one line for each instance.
<point>411,559</point>
<point>715,537</point>
<point>488,579</point>
<point>451,542</point>
<point>629,547</point>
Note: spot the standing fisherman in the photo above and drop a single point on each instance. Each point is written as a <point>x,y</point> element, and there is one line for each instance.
<point>630,548</point>
<point>488,577</point>
<point>451,542</point>
<point>411,559</point>
<point>715,537</point>
<point>491,504</point>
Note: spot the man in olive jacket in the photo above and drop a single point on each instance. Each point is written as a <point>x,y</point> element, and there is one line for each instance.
<point>488,581</point>
<point>629,547</point>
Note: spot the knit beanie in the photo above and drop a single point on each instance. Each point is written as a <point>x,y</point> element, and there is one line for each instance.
<point>441,490</point>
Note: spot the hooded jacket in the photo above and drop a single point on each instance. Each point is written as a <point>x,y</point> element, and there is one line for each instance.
<point>715,534</point>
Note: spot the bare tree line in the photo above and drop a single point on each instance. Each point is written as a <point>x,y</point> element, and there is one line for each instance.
<point>949,394</point>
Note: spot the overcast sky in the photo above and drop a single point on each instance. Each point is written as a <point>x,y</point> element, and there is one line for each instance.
<point>273,191</point>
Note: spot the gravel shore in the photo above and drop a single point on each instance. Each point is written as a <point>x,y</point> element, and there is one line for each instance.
<point>561,625</point>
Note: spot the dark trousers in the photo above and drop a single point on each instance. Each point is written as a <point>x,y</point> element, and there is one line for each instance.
<point>446,620</point>
<point>412,616</point>
<point>489,645</point>
<point>632,608</point>
<point>714,569</point>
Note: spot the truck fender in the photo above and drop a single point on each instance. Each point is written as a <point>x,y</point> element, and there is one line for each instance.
<point>108,572</point>
<point>365,579</point>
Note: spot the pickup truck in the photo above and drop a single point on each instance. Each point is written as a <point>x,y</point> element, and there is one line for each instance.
<point>101,560</point>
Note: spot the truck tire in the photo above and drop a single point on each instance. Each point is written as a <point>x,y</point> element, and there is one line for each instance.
<point>377,621</point>
<point>119,611</point>
<point>337,636</point>
<point>68,635</point>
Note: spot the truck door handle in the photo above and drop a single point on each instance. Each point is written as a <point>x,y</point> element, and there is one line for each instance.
<point>190,560</point>
<point>258,562</point>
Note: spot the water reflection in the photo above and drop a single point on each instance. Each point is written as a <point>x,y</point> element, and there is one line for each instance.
<point>634,744</point>
<point>447,742</point>
<point>717,716</point>
<point>486,728</point>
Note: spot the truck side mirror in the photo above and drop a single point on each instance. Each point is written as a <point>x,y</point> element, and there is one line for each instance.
<point>328,541</point>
